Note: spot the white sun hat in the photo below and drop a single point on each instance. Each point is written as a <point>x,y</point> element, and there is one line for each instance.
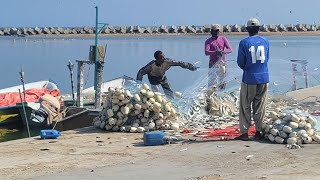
<point>253,22</point>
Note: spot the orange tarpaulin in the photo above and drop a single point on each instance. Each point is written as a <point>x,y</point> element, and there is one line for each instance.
<point>32,95</point>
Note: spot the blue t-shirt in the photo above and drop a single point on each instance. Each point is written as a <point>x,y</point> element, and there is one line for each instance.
<point>253,57</point>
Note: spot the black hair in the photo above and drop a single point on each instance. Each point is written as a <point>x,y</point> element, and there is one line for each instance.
<point>253,30</point>
<point>214,29</point>
<point>214,32</point>
<point>157,53</point>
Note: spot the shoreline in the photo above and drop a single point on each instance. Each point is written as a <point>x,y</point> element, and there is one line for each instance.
<point>308,33</point>
<point>92,153</point>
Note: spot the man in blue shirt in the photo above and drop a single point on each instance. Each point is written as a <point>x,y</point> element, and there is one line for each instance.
<point>253,57</point>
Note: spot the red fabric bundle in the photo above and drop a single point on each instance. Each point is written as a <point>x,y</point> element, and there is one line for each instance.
<point>32,95</point>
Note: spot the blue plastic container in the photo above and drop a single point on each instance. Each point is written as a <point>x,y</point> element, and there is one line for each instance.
<point>49,134</point>
<point>154,138</point>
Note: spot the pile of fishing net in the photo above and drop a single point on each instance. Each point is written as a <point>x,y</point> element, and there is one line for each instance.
<point>137,109</point>
<point>290,126</point>
<point>204,107</point>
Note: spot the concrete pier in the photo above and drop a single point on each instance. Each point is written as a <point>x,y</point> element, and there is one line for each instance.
<point>89,153</point>
<point>191,29</point>
<point>236,28</point>
<point>273,28</point>
<point>282,28</point>
<point>138,29</point>
<point>73,31</point>
<point>6,31</point>
<point>163,29</point>
<point>13,31</point>
<point>46,31</point>
<point>311,28</point>
<point>121,30</point>
<point>38,30</point>
<point>301,27</point>
<point>227,28</point>
<point>147,30</point>
<point>243,28</point>
<point>264,28</point>
<point>173,29</point>
<point>182,29</point>
<point>130,30</point>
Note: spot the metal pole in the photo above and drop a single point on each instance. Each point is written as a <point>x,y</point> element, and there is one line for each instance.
<point>99,64</point>
<point>24,93</point>
<point>70,66</point>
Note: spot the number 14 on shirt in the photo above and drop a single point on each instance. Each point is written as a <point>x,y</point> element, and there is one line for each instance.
<point>258,54</point>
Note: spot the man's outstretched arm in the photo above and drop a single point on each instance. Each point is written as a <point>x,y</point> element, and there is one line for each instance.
<point>144,70</point>
<point>182,64</point>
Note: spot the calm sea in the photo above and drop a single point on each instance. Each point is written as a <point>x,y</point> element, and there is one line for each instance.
<point>46,58</point>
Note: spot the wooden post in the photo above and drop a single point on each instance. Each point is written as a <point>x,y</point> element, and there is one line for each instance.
<point>99,74</point>
<point>294,71</point>
<point>70,66</point>
<point>99,78</point>
<point>305,73</point>
<point>80,82</point>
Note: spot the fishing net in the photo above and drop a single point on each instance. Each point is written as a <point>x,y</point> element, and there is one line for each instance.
<point>195,108</point>
<point>220,110</point>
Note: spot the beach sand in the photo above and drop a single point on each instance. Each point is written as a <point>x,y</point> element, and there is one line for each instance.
<point>90,153</point>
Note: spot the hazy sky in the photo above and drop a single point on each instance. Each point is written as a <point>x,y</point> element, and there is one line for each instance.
<point>17,13</point>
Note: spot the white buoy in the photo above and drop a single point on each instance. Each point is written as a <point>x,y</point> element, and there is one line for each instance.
<point>178,94</point>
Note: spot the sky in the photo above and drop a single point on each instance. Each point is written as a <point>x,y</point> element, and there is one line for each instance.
<point>71,13</point>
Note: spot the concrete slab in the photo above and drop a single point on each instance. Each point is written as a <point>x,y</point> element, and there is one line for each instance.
<point>93,154</point>
<point>306,95</point>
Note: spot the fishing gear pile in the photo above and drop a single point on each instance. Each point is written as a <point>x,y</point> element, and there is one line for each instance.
<point>140,111</point>
<point>290,126</point>
<point>211,111</point>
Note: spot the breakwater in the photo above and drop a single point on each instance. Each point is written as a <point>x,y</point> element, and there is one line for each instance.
<point>15,31</point>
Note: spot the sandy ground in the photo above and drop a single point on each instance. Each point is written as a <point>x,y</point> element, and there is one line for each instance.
<point>93,154</point>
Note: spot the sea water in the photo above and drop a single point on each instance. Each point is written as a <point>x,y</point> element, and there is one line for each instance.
<point>46,58</point>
